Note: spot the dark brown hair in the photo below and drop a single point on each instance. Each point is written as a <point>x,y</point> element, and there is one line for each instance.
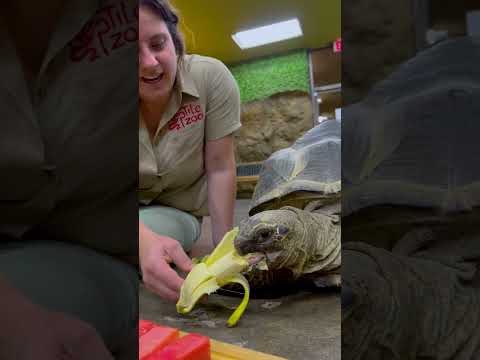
<point>168,14</point>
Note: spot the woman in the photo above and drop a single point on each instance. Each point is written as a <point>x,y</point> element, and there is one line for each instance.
<point>68,180</point>
<point>189,108</point>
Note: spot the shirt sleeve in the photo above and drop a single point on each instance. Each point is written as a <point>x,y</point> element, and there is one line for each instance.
<point>223,102</point>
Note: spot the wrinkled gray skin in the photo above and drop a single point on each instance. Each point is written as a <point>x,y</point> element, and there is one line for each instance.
<point>299,243</point>
<point>411,190</point>
<point>295,223</point>
<point>419,301</point>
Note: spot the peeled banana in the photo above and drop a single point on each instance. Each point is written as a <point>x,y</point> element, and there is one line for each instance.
<point>222,267</point>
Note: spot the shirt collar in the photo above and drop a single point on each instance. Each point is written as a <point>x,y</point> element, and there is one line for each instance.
<point>75,16</point>
<point>185,82</point>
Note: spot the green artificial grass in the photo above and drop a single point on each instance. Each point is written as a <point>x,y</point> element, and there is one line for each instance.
<point>260,79</point>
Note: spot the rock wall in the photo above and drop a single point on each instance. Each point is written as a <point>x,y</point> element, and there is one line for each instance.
<point>272,124</point>
<point>378,35</point>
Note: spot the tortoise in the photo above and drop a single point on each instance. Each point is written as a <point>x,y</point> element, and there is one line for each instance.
<point>294,221</point>
<point>411,208</point>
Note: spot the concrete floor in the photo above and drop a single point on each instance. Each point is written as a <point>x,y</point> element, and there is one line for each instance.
<point>301,326</point>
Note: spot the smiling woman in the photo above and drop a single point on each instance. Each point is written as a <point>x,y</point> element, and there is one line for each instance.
<point>189,108</point>
<point>158,56</point>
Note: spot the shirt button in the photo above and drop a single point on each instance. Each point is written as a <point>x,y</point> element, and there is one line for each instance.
<point>50,169</point>
<point>40,94</point>
<point>40,89</point>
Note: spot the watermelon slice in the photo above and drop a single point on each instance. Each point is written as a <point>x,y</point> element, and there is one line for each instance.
<point>155,339</point>
<point>189,347</point>
<point>144,326</point>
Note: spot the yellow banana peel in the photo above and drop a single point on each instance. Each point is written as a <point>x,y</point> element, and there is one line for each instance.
<point>221,267</point>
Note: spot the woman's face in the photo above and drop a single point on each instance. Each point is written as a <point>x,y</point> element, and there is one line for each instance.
<point>157,57</point>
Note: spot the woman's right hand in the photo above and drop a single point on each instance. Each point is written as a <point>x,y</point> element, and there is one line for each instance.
<point>156,254</point>
<point>29,331</point>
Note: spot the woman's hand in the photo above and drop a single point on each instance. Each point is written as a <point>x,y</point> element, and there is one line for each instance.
<point>156,253</point>
<point>29,331</point>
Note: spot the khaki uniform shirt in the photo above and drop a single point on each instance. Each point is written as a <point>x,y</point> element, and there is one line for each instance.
<point>205,106</point>
<point>68,159</point>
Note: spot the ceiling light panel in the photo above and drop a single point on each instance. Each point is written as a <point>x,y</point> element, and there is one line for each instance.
<point>263,35</point>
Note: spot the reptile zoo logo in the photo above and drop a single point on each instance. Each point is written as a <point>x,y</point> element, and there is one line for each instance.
<point>188,115</point>
<point>112,27</point>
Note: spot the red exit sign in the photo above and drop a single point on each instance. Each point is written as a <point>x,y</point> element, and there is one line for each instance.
<point>337,45</point>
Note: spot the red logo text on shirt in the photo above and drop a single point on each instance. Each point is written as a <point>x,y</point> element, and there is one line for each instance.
<point>187,115</point>
<point>112,27</point>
